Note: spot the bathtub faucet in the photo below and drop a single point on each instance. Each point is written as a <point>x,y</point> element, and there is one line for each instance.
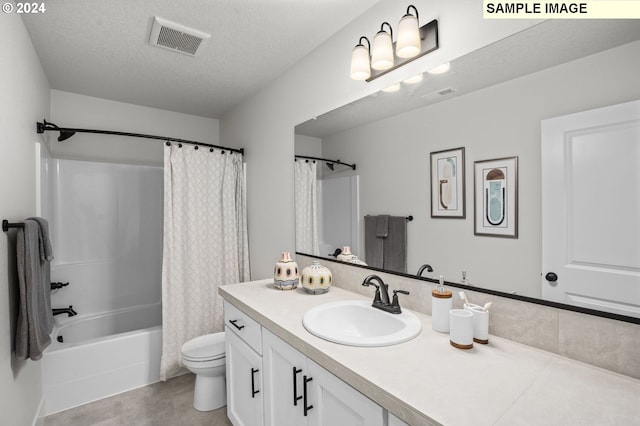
<point>69,311</point>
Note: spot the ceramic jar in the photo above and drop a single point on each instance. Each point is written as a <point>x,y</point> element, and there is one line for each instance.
<point>356,261</point>
<point>316,278</point>
<point>345,255</point>
<point>285,273</point>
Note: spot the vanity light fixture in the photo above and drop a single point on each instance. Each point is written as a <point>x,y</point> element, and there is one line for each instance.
<point>360,62</point>
<point>408,44</point>
<point>382,50</point>
<point>383,56</point>
<point>440,69</point>
<point>393,88</point>
<point>415,79</point>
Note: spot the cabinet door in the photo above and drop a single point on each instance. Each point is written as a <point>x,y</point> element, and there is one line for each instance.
<point>337,403</point>
<point>244,382</point>
<point>284,371</point>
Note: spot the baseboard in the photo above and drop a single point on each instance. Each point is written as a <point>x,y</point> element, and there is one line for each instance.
<point>40,414</point>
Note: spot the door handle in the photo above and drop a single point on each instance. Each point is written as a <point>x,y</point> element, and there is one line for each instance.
<point>296,398</point>
<point>551,277</point>
<point>306,407</point>
<point>253,387</point>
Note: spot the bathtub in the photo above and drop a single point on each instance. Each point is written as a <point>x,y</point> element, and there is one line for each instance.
<point>93,357</point>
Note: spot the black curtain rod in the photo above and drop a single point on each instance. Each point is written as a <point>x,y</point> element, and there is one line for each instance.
<point>353,166</point>
<point>46,126</point>
<point>6,225</point>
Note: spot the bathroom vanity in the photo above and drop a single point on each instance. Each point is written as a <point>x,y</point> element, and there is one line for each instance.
<point>278,373</point>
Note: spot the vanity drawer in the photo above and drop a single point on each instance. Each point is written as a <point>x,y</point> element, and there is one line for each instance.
<point>243,326</point>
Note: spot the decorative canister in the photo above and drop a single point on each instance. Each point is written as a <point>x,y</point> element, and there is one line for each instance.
<point>355,260</point>
<point>346,254</point>
<point>285,273</point>
<point>316,278</point>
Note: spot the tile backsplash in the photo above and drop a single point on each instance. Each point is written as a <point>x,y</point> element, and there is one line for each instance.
<point>602,342</point>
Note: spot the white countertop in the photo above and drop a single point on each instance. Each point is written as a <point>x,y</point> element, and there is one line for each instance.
<point>426,380</point>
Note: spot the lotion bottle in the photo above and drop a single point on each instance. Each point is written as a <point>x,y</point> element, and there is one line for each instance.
<point>441,304</point>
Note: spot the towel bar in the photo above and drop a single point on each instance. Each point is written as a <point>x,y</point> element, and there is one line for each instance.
<point>6,225</point>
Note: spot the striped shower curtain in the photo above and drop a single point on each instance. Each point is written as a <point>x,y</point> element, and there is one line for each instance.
<point>205,243</point>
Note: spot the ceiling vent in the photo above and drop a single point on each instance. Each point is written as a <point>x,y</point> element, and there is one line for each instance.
<point>176,37</point>
<point>438,93</point>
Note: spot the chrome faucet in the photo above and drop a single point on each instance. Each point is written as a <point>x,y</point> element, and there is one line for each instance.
<point>69,311</point>
<point>422,269</point>
<point>381,298</point>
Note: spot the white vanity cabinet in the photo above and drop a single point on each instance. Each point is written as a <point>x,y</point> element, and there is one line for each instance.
<point>299,392</point>
<point>243,344</point>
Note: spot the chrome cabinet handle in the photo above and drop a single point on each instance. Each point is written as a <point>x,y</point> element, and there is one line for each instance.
<point>296,398</point>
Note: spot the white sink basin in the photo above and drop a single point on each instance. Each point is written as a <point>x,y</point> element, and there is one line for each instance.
<point>357,323</point>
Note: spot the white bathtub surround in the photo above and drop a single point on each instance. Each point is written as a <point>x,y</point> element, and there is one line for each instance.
<point>205,243</point>
<point>427,381</point>
<point>106,229</point>
<point>306,205</point>
<point>102,355</point>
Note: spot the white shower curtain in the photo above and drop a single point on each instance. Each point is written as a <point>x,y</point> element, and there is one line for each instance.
<point>205,244</point>
<point>306,201</point>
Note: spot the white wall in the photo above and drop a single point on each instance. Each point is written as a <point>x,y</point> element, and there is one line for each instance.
<point>500,121</point>
<point>87,112</point>
<point>320,82</point>
<point>24,91</point>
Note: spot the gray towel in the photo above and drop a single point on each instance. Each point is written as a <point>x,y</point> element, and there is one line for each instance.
<point>35,318</point>
<point>382,226</point>
<point>395,245</point>
<point>373,246</point>
<point>46,253</point>
<point>388,252</point>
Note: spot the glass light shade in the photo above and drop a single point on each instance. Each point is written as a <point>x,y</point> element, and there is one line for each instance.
<point>382,51</point>
<point>393,88</point>
<point>415,79</point>
<point>360,68</point>
<point>408,44</point>
<point>440,69</point>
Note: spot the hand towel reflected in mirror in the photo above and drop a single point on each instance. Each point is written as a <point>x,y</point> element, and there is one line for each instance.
<point>385,242</point>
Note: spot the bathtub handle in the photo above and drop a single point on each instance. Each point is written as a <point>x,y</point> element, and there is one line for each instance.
<point>253,383</point>
<point>234,323</point>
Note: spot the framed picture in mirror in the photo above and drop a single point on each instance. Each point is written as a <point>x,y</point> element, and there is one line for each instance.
<point>496,197</point>
<point>448,184</point>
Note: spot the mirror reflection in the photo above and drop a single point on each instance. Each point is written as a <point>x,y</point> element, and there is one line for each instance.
<point>492,102</point>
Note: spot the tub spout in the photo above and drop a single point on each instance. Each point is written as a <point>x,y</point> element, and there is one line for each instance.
<point>69,311</point>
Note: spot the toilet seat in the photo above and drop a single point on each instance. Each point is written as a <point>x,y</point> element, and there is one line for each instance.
<point>204,348</point>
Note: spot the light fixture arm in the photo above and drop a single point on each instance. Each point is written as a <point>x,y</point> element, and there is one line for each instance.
<point>368,44</point>
<point>415,9</point>
<point>390,29</point>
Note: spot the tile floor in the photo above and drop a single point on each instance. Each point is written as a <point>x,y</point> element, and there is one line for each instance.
<point>167,403</point>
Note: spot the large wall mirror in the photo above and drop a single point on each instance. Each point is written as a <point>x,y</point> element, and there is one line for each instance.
<point>492,102</point>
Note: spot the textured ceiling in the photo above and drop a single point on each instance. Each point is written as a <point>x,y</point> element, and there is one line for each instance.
<point>100,48</point>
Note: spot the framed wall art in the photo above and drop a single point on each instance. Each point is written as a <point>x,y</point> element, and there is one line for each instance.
<point>448,184</point>
<point>496,197</point>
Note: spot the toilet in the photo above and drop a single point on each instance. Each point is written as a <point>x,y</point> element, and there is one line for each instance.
<point>204,356</point>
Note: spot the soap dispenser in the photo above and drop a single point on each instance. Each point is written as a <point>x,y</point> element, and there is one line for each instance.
<point>441,304</point>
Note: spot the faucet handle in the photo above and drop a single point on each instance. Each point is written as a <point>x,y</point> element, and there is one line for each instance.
<point>395,297</point>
